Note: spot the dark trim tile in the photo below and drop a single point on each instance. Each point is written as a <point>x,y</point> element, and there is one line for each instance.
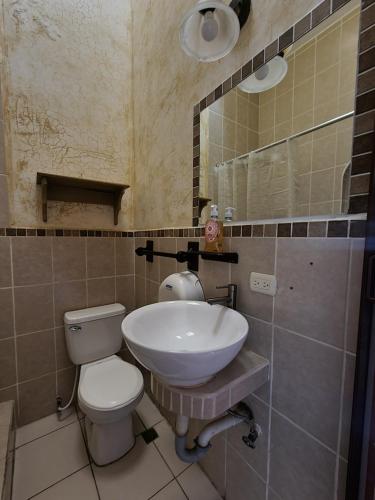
<point>302,27</point>
<point>202,104</point>
<point>258,231</point>
<point>357,229</point>
<point>366,60</point>
<point>284,230</point>
<point>360,184</point>
<point>367,39</point>
<point>271,50</point>
<point>320,13</point>
<point>236,78</point>
<point>247,69</point>
<point>365,102</point>
<point>358,204</point>
<point>299,230</point>
<point>227,85</point>
<point>218,92</point>
<point>246,231</point>
<point>236,231</point>
<point>258,60</point>
<point>367,17</point>
<point>270,230</point>
<point>337,4</point>
<point>286,39</point>
<point>363,143</point>
<point>362,164</point>
<point>317,229</point>
<point>364,123</point>
<point>337,229</point>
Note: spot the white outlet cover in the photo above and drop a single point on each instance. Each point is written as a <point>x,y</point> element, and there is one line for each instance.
<point>263,283</point>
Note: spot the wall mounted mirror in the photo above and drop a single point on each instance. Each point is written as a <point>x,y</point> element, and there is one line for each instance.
<point>275,150</point>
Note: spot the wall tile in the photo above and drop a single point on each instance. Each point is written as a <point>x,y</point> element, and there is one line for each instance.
<point>35,355</point>
<point>255,255</point>
<point>33,308</point>
<point>242,480</point>
<point>101,291</point>
<point>354,297</point>
<point>140,292</point>
<point>5,267</point>
<point>167,266</point>
<point>257,457</point>
<point>214,464</point>
<point>100,257</point>
<point>125,256</point>
<point>62,356</point>
<point>312,400</point>
<point>312,280</point>
<point>152,292</point>
<point>69,297</point>
<point>347,404</point>
<point>6,316</point>
<point>341,486</point>
<point>7,363</point>
<point>37,398</point>
<point>299,466</point>
<point>140,262</point>
<point>32,260</point>
<point>125,290</point>
<point>65,382</point>
<point>69,259</point>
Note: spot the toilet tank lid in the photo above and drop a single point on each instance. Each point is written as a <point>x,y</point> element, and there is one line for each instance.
<point>93,313</point>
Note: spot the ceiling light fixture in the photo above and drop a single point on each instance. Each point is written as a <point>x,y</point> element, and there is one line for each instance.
<point>266,77</point>
<point>210,30</point>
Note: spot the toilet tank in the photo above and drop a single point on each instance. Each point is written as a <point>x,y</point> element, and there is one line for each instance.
<point>93,333</point>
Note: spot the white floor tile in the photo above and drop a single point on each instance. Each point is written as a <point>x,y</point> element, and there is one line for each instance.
<point>196,485</point>
<point>137,476</point>
<point>79,486</point>
<point>148,412</point>
<point>46,460</point>
<point>166,446</point>
<point>43,426</point>
<point>171,492</point>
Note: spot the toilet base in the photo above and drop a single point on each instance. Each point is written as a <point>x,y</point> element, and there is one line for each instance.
<point>109,442</point>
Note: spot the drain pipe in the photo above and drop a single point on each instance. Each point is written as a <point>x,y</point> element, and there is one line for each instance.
<point>242,413</point>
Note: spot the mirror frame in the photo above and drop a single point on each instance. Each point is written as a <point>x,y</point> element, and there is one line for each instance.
<point>362,154</point>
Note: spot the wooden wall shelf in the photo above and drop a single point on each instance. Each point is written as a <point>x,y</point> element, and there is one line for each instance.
<point>78,190</point>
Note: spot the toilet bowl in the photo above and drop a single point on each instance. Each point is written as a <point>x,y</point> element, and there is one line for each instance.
<point>109,388</point>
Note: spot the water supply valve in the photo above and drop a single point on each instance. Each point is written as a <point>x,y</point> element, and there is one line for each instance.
<point>254,432</point>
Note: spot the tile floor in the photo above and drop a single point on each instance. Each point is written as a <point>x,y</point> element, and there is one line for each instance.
<point>52,463</point>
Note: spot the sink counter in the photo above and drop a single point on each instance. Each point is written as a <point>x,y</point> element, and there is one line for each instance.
<point>244,375</point>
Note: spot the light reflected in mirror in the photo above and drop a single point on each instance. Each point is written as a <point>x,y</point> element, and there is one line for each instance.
<point>286,151</point>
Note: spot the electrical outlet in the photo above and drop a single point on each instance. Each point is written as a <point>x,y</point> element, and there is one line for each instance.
<point>263,283</point>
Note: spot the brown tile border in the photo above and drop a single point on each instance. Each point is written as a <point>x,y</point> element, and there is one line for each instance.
<point>355,228</point>
<point>365,101</point>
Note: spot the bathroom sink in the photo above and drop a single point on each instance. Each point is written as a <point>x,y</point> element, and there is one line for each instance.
<point>184,343</point>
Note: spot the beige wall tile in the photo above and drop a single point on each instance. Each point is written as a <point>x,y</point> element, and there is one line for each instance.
<point>167,266</point>
<point>140,262</point>
<point>125,291</point>
<point>32,260</point>
<point>35,355</point>
<point>312,280</point>
<point>125,256</point>
<point>7,363</point>
<point>100,257</point>
<point>304,63</point>
<point>326,84</point>
<point>303,99</point>
<point>65,382</point>
<point>257,255</point>
<point>101,291</point>
<point>33,308</point>
<point>284,108</point>
<point>322,186</point>
<point>69,258</point>
<point>293,478</point>
<point>37,398</point>
<point>6,316</point>
<point>69,297</point>
<point>62,356</point>
<point>241,479</point>
<point>327,49</point>
<point>5,263</point>
<point>316,371</point>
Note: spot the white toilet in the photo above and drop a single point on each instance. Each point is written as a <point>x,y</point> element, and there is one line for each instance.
<point>109,388</point>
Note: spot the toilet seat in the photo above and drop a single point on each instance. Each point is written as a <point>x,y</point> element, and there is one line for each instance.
<point>109,388</point>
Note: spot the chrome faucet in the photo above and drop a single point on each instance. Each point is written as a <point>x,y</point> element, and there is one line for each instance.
<point>229,300</point>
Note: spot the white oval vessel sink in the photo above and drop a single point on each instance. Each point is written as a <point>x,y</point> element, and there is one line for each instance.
<point>184,343</point>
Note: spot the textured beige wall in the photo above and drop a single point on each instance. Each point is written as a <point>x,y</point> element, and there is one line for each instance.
<point>168,84</point>
<point>67,84</point>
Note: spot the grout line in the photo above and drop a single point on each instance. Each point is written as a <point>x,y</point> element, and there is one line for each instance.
<point>17,409</point>
<point>162,489</point>
<point>234,450</point>
<point>57,482</point>
<point>303,430</point>
<point>54,319</point>
<point>47,433</point>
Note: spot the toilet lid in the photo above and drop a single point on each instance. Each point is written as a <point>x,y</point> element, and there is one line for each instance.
<point>110,383</point>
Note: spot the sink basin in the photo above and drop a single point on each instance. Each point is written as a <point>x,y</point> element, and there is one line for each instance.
<point>184,343</point>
